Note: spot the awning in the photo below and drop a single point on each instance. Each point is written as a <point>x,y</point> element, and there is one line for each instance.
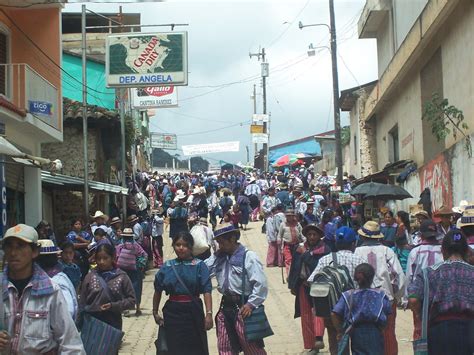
<point>7,148</point>
<point>77,184</point>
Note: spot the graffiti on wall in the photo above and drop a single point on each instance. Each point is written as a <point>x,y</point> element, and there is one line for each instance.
<point>437,177</point>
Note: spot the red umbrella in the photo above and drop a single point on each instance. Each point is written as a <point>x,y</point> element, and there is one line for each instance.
<point>290,159</point>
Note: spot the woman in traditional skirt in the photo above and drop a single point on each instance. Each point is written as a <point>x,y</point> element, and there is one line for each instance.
<point>184,279</point>
<point>244,206</point>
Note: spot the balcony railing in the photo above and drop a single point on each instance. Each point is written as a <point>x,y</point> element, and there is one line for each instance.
<point>29,91</point>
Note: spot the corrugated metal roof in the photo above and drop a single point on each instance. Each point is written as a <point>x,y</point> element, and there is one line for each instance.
<point>75,182</point>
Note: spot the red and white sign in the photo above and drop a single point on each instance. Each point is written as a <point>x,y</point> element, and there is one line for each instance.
<point>155,97</point>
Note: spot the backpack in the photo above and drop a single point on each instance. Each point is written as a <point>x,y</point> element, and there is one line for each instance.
<point>328,286</point>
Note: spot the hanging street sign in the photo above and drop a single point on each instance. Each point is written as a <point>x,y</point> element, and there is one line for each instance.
<point>164,141</point>
<point>255,128</point>
<point>259,118</point>
<point>260,138</point>
<point>147,59</point>
<point>155,97</point>
<point>211,148</point>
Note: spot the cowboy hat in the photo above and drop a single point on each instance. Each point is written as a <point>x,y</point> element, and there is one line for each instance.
<point>115,220</point>
<point>196,191</point>
<point>100,214</point>
<point>370,229</point>
<point>421,213</point>
<point>47,247</point>
<point>290,212</point>
<point>467,218</point>
<point>226,229</point>
<point>443,211</point>
<point>313,226</point>
<point>127,232</point>
<point>462,206</point>
<point>132,218</point>
<point>428,229</point>
<point>179,195</point>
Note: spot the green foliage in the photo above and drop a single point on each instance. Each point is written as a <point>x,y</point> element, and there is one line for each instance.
<point>345,135</point>
<point>446,119</point>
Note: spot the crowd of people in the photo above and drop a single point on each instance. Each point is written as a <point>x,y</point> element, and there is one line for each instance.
<point>349,274</point>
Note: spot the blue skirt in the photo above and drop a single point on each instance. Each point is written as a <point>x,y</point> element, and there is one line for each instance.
<point>366,339</point>
<point>450,337</point>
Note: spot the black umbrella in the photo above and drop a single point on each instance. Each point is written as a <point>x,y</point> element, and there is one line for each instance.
<point>365,188</point>
<point>375,190</point>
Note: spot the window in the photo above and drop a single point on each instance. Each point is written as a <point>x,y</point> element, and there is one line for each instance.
<point>393,145</point>
<point>3,60</point>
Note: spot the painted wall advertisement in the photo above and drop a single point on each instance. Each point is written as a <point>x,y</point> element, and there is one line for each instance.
<point>437,177</point>
<point>155,97</point>
<point>147,59</point>
<point>164,141</point>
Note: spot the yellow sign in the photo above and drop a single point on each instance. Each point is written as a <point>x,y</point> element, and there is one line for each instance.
<point>255,128</point>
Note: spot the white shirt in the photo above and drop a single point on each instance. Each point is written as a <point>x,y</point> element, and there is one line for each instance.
<point>69,292</point>
<point>389,275</point>
<point>344,257</point>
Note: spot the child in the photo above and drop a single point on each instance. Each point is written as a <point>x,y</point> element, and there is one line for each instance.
<point>366,311</point>
<point>157,239</point>
<point>309,216</point>
<point>106,304</point>
<point>67,261</point>
<point>235,216</point>
<point>290,234</point>
<point>402,250</point>
<point>184,279</point>
<point>132,259</point>
<point>272,253</point>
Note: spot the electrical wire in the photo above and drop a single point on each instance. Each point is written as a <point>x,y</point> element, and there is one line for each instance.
<point>350,71</point>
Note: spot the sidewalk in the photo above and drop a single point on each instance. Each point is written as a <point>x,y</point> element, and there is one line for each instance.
<point>140,332</point>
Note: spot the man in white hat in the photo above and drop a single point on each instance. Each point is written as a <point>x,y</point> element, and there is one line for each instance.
<point>389,276</point>
<point>33,302</point>
<point>100,220</point>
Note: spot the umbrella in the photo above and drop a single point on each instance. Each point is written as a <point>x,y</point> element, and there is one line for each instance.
<point>290,159</point>
<point>373,190</point>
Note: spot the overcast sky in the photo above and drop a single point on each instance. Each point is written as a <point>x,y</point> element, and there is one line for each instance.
<point>222,33</point>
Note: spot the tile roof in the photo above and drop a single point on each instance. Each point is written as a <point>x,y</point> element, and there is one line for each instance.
<point>73,110</point>
<point>4,102</point>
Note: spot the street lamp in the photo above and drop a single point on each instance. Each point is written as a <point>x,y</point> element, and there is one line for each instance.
<point>312,49</point>
<point>335,86</point>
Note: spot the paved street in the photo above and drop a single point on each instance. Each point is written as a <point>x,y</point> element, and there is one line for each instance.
<point>141,332</point>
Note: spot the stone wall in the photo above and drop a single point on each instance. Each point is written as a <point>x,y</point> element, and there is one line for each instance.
<point>367,135</point>
<point>71,152</point>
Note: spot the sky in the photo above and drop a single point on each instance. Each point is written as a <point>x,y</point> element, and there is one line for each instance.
<point>216,106</point>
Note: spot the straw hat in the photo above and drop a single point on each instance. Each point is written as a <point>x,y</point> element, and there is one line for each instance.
<point>100,214</point>
<point>127,232</point>
<point>115,220</point>
<point>443,211</point>
<point>179,195</point>
<point>226,229</point>
<point>47,247</point>
<point>132,218</point>
<point>467,218</point>
<point>421,213</point>
<point>370,229</point>
<point>462,206</point>
<point>313,226</point>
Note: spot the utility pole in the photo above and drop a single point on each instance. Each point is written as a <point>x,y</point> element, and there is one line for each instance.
<point>255,111</point>
<point>335,87</point>
<point>264,73</point>
<point>84,114</point>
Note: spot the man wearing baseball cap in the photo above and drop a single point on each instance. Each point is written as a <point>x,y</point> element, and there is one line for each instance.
<point>36,320</point>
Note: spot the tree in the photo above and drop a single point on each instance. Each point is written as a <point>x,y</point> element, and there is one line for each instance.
<point>446,119</point>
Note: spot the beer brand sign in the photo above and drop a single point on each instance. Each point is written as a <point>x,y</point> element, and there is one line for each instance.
<point>155,97</point>
<point>436,176</point>
<point>146,59</point>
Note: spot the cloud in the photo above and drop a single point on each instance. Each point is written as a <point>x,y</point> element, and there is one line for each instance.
<point>221,35</point>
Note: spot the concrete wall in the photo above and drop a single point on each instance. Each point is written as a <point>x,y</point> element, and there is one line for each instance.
<point>405,14</point>
<point>385,43</point>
